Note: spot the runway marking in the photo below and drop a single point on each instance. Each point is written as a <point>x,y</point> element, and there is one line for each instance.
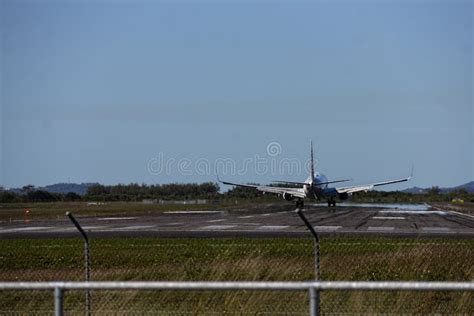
<point>267,214</point>
<point>217,227</point>
<point>91,227</point>
<point>380,228</point>
<point>327,227</point>
<point>248,216</point>
<point>436,228</point>
<point>413,212</point>
<point>462,214</point>
<point>115,218</point>
<point>408,207</point>
<point>276,227</point>
<point>454,212</point>
<point>134,227</point>
<point>23,229</point>
<point>245,224</point>
<point>216,220</point>
<point>58,229</point>
<point>192,212</point>
<point>388,217</point>
<point>172,224</point>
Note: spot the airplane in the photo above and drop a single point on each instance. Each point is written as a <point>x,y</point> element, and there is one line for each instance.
<point>315,187</point>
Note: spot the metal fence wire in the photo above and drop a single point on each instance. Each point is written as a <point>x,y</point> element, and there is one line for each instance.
<point>343,258</point>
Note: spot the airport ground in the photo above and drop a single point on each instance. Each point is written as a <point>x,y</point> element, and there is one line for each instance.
<point>231,259</point>
<point>236,220</point>
<point>133,241</point>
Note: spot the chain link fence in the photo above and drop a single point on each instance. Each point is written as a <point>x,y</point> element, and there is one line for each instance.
<point>239,259</point>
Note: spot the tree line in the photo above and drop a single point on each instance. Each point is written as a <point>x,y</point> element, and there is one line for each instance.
<point>138,192</point>
<point>207,190</point>
<point>36,196</point>
<point>120,192</point>
<point>433,194</point>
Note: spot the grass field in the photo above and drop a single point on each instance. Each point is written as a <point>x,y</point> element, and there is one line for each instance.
<point>16,211</point>
<point>44,210</point>
<point>282,259</point>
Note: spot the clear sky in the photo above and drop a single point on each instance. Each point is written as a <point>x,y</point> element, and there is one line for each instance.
<point>105,90</point>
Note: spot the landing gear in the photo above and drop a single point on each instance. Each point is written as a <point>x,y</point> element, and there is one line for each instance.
<point>299,203</point>
<point>331,202</point>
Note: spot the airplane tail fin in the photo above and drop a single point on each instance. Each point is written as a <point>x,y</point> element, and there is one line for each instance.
<point>312,160</point>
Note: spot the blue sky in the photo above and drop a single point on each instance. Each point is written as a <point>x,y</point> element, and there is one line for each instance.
<point>95,90</point>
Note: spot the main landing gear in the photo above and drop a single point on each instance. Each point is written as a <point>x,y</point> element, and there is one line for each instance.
<point>299,203</point>
<point>331,202</point>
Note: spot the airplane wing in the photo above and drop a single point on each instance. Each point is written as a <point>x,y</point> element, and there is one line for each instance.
<point>296,192</point>
<point>368,187</point>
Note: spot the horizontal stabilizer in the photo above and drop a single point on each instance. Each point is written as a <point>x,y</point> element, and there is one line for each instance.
<point>290,182</point>
<point>318,183</point>
<point>335,181</point>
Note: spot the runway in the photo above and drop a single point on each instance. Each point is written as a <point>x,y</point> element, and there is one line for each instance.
<point>265,221</point>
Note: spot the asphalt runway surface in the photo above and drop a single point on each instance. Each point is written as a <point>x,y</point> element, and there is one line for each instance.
<point>277,220</point>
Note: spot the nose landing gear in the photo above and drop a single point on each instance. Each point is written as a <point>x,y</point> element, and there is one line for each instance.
<point>331,202</point>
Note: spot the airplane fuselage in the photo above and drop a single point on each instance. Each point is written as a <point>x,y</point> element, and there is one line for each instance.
<point>315,187</point>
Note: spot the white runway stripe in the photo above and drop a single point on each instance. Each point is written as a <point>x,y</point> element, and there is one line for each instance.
<point>388,217</point>
<point>134,227</point>
<point>380,228</point>
<point>192,212</point>
<point>244,224</point>
<point>461,214</point>
<point>327,227</point>
<point>217,227</point>
<point>71,229</point>
<point>275,227</point>
<point>24,229</point>
<point>216,220</point>
<point>436,228</point>
<point>413,212</point>
<point>91,227</point>
<point>115,218</point>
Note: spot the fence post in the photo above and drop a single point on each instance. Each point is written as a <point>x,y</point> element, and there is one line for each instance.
<point>87,259</point>
<point>58,301</point>
<point>313,302</point>
<point>314,294</point>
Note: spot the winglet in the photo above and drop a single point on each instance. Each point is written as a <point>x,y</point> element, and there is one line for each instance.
<point>411,172</point>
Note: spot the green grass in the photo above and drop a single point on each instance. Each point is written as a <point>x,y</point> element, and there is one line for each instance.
<point>226,259</point>
<point>16,211</point>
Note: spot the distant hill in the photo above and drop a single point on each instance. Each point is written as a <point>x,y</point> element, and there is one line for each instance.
<point>469,187</point>
<point>415,190</point>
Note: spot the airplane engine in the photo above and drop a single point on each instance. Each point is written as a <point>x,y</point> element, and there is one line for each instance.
<point>343,196</point>
<point>288,197</point>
